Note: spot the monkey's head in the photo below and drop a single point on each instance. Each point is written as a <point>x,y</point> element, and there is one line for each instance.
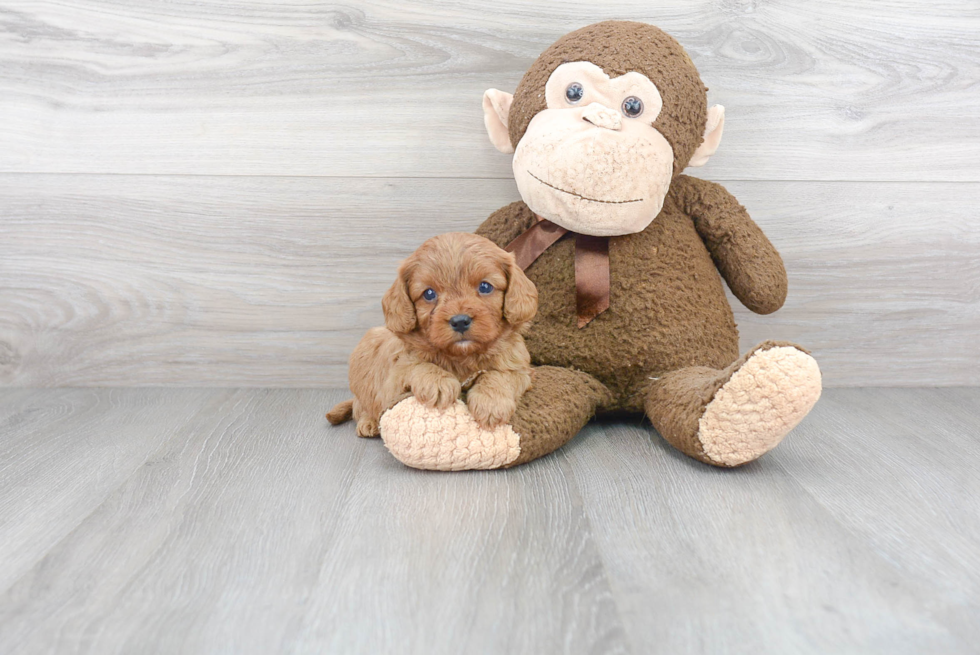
<point>600,125</point>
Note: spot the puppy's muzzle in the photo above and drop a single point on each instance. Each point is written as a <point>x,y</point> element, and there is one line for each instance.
<point>461,322</point>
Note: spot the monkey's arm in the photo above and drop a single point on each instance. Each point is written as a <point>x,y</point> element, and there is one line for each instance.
<point>507,223</point>
<point>746,259</point>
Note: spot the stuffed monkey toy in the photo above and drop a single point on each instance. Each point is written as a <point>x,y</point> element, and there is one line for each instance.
<point>628,256</point>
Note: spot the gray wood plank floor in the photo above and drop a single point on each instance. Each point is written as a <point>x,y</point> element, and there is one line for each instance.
<point>202,521</point>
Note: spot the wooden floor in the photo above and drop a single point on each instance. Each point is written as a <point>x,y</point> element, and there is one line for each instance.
<point>237,521</point>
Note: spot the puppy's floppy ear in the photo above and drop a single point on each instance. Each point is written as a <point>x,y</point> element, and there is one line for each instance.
<point>521,298</point>
<point>398,307</point>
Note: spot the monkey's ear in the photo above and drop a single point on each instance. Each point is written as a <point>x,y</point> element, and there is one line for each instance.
<point>398,308</point>
<point>496,110</point>
<point>521,297</point>
<point>712,137</point>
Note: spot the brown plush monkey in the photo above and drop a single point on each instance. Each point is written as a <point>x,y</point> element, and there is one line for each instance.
<point>626,253</point>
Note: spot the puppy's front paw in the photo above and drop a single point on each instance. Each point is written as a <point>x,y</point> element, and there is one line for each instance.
<point>439,391</point>
<point>490,410</point>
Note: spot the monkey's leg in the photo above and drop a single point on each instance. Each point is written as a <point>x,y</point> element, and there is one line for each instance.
<point>558,404</point>
<point>733,416</point>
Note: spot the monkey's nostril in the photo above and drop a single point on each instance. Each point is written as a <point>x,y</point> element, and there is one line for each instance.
<point>461,322</point>
<point>602,116</point>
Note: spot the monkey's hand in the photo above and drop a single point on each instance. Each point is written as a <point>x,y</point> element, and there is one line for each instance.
<point>434,387</point>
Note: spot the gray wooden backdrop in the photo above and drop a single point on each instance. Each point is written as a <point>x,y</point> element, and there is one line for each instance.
<point>217,193</point>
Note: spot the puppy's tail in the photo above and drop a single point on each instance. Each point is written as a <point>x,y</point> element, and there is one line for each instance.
<point>341,412</point>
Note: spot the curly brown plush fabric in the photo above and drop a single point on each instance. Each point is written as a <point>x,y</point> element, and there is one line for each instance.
<point>748,262</point>
<point>668,308</point>
<point>619,47</point>
<point>559,402</point>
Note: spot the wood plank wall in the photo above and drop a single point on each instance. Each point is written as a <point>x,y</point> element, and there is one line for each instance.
<point>218,193</point>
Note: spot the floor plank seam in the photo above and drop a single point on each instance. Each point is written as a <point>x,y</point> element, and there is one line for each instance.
<point>329,543</point>
<point>590,531</point>
<point>109,494</point>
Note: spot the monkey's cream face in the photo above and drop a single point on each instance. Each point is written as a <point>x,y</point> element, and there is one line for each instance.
<point>592,161</point>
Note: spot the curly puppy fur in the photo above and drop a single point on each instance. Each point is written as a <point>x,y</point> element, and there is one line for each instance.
<point>419,353</point>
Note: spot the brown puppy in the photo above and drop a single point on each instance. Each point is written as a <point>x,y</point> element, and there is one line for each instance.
<point>453,322</point>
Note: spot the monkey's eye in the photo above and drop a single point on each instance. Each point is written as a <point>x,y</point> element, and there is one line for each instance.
<point>632,106</point>
<point>429,295</point>
<point>574,92</point>
<point>485,288</point>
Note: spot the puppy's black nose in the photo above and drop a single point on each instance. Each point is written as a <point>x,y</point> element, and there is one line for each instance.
<point>461,322</point>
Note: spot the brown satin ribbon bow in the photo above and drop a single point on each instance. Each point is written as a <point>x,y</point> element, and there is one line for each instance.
<point>591,264</point>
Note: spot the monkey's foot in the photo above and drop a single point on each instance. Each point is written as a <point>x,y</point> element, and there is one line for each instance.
<point>733,416</point>
<point>761,402</point>
<point>445,439</point>
<point>559,402</point>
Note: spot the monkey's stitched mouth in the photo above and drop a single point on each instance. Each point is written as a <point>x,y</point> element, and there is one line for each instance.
<point>578,195</point>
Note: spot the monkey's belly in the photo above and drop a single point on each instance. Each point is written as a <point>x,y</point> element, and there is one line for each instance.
<point>667,311</point>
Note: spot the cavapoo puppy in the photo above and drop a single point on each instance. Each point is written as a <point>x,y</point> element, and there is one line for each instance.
<point>453,323</point>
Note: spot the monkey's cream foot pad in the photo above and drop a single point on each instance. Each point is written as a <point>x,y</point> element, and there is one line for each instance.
<point>445,439</point>
<point>761,402</point>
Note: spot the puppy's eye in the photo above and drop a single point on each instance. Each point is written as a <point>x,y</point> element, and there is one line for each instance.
<point>632,106</point>
<point>429,295</point>
<point>574,92</point>
<point>485,288</point>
